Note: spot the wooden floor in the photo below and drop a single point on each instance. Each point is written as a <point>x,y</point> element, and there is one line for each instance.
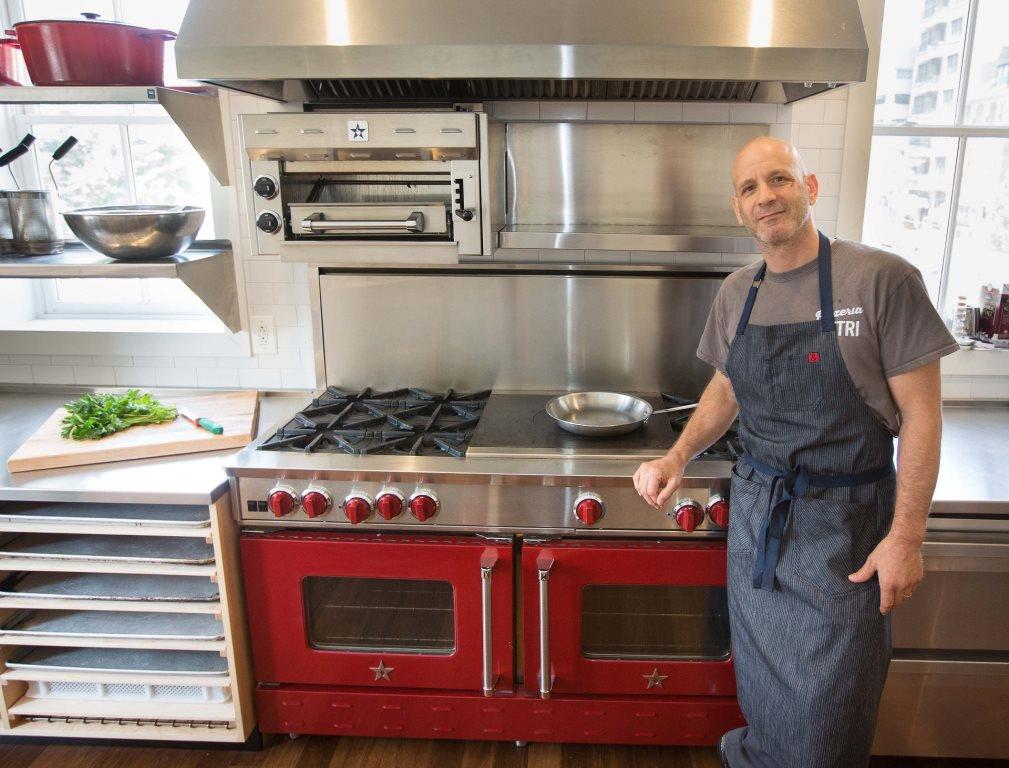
<point>344,752</point>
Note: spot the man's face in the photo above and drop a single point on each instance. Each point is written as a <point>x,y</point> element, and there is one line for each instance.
<point>772,197</point>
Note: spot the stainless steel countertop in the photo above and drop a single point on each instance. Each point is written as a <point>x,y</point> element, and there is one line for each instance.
<point>971,477</point>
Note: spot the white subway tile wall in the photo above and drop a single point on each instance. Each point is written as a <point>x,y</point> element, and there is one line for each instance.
<point>611,111</point>
<point>280,290</point>
<point>270,288</point>
<point>563,110</point>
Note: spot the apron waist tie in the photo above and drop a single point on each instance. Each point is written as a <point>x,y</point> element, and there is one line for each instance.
<point>785,486</point>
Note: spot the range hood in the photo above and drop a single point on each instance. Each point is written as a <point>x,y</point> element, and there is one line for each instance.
<point>344,52</point>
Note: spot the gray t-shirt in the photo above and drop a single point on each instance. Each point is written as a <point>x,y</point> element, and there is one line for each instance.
<point>886,324</point>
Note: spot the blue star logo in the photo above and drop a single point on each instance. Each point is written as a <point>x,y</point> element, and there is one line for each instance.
<point>358,131</point>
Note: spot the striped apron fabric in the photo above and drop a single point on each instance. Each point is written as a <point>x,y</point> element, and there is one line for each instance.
<point>810,500</point>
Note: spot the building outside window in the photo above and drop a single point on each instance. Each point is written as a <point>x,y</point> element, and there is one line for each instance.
<point>938,191</point>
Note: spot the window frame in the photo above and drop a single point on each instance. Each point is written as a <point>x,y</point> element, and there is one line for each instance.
<point>18,120</point>
<point>960,130</point>
<point>47,303</point>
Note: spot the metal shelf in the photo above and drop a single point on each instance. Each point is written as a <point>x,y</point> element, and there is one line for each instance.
<point>196,111</point>
<point>207,269</point>
<point>696,239</point>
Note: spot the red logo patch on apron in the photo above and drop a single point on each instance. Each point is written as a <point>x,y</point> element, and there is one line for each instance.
<point>813,357</point>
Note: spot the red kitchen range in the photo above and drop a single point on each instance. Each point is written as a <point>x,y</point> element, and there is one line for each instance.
<point>454,565</point>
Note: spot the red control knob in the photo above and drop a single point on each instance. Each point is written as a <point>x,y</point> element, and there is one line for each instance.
<point>357,509</point>
<point>389,505</point>
<point>589,509</point>
<point>689,515</point>
<point>423,506</point>
<point>718,511</point>
<point>282,501</point>
<point>315,502</point>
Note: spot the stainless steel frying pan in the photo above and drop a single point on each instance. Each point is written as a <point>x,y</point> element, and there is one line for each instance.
<point>602,413</point>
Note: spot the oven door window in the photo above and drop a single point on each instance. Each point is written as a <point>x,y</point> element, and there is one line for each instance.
<point>383,615</point>
<point>632,621</point>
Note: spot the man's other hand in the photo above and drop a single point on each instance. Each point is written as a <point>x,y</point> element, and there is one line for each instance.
<point>900,568</point>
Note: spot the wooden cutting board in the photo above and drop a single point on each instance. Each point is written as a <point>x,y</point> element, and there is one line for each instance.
<point>235,411</point>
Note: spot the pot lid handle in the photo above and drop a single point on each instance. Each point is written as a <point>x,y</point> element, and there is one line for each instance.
<point>164,34</point>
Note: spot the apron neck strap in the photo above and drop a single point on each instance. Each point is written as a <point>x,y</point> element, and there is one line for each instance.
<point>826,290</point>
<point>826,285</point>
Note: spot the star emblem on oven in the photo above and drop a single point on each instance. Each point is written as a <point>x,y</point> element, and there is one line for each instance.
<point>357,130</point>
<point>654,678</point>
<point>382,672</point>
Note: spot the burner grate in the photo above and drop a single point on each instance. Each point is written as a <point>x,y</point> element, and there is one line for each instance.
<point>727,448</point>
<point>408,421</point>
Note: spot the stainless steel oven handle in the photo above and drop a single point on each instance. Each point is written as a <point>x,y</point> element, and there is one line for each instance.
<point>543,565</point>
<point>486,575</point>
<point>412,223</point>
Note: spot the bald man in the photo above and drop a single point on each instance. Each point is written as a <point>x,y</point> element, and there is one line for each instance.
<point>826,351</point>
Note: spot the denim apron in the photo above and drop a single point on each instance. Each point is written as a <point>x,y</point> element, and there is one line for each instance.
<point>810,499</point>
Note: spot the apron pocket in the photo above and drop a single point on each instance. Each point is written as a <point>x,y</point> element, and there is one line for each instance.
<point>744,514</point>
<point>796,382</point>
<point>832,540</point>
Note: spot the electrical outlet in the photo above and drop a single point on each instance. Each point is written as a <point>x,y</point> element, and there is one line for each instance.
<point>264,334</point>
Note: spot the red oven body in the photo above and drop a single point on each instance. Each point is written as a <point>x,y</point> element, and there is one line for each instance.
<point>575,566</point>
<point>277,565</point>
<point>593,697</point>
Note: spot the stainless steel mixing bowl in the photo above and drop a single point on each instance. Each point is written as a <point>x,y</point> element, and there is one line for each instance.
<point>136,231</point>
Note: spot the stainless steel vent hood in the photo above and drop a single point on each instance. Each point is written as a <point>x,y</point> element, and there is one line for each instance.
<point>443,51</point>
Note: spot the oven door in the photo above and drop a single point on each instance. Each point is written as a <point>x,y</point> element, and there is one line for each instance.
<point>614,617</point>
<point>379,611</point>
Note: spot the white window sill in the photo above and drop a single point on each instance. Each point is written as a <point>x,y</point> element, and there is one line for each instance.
<point>193,337</point>
<point>198,325</point>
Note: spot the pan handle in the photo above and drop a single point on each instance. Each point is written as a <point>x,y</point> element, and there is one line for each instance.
<point>677,408</point>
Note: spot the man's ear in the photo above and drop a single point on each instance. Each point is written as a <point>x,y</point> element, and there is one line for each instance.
<point>813,185</point>
<point>735,209</point>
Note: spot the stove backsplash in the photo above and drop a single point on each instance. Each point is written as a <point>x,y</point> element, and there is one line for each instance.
<point>515,331</point>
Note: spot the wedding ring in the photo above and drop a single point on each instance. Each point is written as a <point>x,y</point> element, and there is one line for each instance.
<point>908,594</point>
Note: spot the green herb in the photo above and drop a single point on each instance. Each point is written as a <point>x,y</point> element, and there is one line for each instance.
<point>95,416</point>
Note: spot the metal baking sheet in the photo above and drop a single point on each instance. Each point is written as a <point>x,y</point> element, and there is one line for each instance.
<point>175,515</point>
<point>109,586</point>
<point>122,660</point>
<point>120,549</point>
<point>115,625</point>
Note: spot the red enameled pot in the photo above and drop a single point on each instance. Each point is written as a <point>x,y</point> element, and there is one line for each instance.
<point>9,57</point>
<point>92,52</point>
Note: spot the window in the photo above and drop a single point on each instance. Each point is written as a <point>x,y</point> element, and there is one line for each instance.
<point>938,191</point>
<point>127,154</point>
<point>1002,75</point>
<point>904,73</point>
<point>925,102</point>
<point>929,70</point>
<point>902,98</point>
<point>881,99</point>
<point>932,36</point>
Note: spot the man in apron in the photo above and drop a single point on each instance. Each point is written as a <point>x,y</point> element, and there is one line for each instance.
<point>826,351</point>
